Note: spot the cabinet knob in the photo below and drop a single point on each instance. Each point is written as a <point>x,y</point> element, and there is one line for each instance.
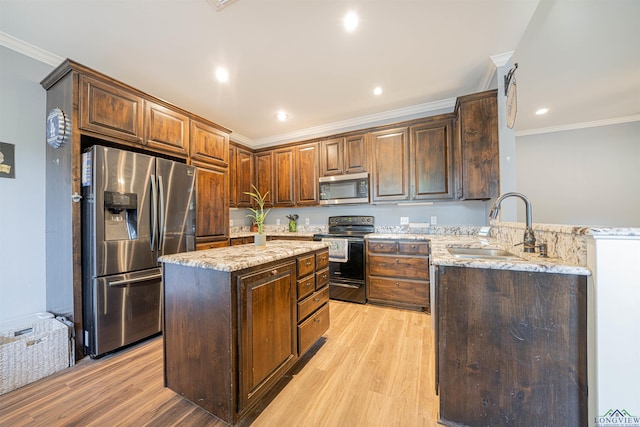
<point>308,263</point>
<point>308,284</point>
<point>397,260</point>
<point>324,277</point>
<point>413,246</point>
<point>316,299</point>
<point>274,272</point>
<point>397,283</point>
<point>317,319</point>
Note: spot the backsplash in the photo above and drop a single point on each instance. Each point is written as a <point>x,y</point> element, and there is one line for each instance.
<point>565,242</point>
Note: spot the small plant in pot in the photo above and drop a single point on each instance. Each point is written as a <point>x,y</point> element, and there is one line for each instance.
<point>258,215</point>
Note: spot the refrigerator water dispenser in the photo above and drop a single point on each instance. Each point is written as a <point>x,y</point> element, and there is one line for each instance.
<point>120,216</point>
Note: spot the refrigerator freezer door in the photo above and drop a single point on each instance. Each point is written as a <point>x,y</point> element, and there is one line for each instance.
<point>124,308</point>
<point>120,193</point>
<point>176,206</point>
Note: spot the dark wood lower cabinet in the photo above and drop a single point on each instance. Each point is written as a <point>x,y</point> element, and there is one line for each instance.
<point>511,348</point>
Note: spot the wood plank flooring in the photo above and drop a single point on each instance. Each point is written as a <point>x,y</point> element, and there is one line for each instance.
<point>375,367</point>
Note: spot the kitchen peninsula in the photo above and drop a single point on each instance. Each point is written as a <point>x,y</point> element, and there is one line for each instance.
<point>236,319</point>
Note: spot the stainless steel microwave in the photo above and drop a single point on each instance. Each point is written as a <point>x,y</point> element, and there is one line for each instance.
<point>344,189</point>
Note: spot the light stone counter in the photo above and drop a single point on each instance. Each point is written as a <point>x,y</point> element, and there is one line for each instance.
<point>528,262</point>
<point>235,258</point>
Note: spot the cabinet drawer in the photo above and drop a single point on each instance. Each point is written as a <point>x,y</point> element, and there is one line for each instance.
<point>322,260</point>
<point>403,291</point>
<point>212,245</point>
<point>312,329</point>
<point>306,286</point>
<point>398,266</point>
<point>312,303</point>
<point>322,278</point>
<point>306,265</point>
<point>413,248</point>
<point>382,247</point>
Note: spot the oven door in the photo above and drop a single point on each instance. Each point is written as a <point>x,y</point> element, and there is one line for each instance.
<point>347,279</point>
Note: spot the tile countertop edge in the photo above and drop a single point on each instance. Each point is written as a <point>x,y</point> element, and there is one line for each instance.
<point>530,262</point>
<point>234,258</point>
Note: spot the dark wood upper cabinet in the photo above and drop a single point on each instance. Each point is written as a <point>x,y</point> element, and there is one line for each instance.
<point>343,155</point>
<point>306,176</point>
<point>283,174</point>
<point>111,110</point>
<point>209,144</point>
<point>265,175</point>
<point>390,151</point>
<point>244,177</point>
<point>332,156</point>
<point>476,136</point>
<point>166,130</point>
<point>212,202</point>
<point>431,161</point>
<point>233,188</point>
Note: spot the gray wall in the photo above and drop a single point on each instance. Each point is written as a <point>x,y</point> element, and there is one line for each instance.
<point>22,200</point>
<point>582,177</point>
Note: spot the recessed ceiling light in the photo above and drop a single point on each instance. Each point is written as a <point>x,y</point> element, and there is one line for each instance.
<point>222,75</point>
<point>377,90</point>
<point>350,21</point>
<point>542,111</point>
<point>282,116</point>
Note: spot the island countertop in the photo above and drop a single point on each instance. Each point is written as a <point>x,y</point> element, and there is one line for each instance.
<point>235,258</point>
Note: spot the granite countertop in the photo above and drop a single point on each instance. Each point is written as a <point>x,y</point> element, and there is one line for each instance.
<point>528,262</point>
<point>235,258</point>
<point>272,233</point>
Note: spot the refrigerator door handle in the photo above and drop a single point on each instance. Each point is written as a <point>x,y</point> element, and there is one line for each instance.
<point>154,212</point>
<point>162,209</point>
<point>136,280</point>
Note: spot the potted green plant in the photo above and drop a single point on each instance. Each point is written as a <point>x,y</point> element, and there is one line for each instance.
<point>293,225</point>
<point>258,215</point>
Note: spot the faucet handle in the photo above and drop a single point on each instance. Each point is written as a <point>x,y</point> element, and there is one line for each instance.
<point>543,250</point>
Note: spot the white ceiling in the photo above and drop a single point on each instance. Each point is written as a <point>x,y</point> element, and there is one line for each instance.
<point>578,57</point>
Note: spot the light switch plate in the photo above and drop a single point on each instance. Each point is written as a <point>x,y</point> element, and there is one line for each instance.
<point>306,221</point>
<point>404,220</point>
<point>278,221</point>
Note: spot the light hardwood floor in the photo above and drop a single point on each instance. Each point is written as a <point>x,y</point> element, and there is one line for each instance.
<point>375,367</point>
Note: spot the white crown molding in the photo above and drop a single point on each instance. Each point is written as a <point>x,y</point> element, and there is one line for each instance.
<point>583,125</point>
<point>502,58</point>
<point>351,124</point>
<point>29,50</point>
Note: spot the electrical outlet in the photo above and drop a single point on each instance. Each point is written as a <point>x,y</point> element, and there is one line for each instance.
<point>230,223</point>
<point>278,221</point>
<point>434,220</point>
<point>306,221</point>
<point>404,220</point>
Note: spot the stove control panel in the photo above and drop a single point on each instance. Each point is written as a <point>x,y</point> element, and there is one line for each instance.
<point>350,220</point>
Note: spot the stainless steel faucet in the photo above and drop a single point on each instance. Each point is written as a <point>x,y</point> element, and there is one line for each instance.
<point>529,238</point>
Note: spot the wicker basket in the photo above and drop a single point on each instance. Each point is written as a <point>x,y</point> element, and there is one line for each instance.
<point>32,352</point>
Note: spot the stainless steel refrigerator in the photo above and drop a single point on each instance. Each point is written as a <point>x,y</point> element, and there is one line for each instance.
<point>135,208</point>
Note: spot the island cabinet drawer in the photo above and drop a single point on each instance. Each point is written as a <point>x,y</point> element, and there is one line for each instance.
<point>312,329</point>
<point>399,290</point>
<point>398,266</point>
<point>306,286</point>
<point>312,303</point>
<point>322,278</point>
<point>306,265</point>
<point>382,246</point>
<point>413,248</point>
<point>322,260</point>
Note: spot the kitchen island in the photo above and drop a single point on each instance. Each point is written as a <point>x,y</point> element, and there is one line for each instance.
<point>236,320</point>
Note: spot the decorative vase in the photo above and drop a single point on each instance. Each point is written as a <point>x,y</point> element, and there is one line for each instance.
<point>292,226</point>
<point>260,239</point>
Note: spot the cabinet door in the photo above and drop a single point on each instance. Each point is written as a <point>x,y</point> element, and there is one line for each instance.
<point>209,144</point>
<point>264,175</point>
<point>431,161</point>
<point>477,143</point>
<point>212,202</point>
<point>284,168</point>
<point>166,130</point>
<point>390,164</point>
<point>332,157</point>
<point>233,152</point>
<point>110,110</point>
<point>244,177</point>
<point>268,330</point>
<point>306,175</point>
<point>355,154</point>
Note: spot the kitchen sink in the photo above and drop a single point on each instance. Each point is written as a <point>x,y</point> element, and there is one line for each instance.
<point>487,253</point>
